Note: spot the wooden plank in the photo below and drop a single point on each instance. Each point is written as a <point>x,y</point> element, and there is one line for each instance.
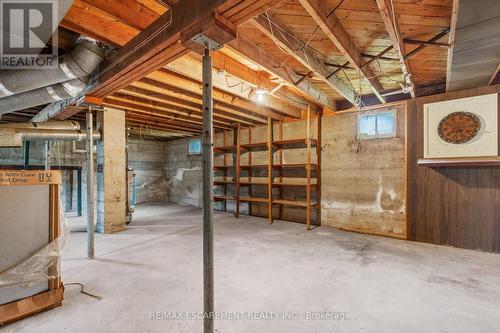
<point>334,29</point>
<point>287,41</point>
<point>130,12</point>
<point>391,24</point>
<point>26,307</point>
<point>260,56</point>
<point>31,177</point>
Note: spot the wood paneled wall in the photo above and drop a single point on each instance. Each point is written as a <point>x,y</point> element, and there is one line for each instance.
<point>458,206</point>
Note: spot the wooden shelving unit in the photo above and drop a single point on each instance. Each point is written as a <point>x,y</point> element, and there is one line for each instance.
<point>275,173</point>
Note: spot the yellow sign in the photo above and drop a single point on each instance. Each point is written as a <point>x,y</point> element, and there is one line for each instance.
<point>29,177</point>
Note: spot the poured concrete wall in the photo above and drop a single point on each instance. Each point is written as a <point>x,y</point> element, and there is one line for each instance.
<point>182,174</point>
<point>147,159</point>
<point>363,182</point>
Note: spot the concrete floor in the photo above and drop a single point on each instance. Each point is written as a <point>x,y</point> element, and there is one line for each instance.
<point>384,285</point>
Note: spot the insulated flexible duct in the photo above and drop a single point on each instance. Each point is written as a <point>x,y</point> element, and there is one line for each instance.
<point>82,61</point>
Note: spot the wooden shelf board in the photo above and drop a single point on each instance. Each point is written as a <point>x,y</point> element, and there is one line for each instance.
<point>293,144</point>
<point>292,184</point>
<point>223,182</point>
<point>288,202</point>
<point>257,146</point>
<point>222,167</point>
<point>223,197</point>
<point>252,183</point>
<point>254,199</point>
<point>459,162</point>
<point>224,149</point>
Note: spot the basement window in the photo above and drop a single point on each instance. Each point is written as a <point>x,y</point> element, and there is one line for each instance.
<point>194,147</point>
<point>377,125</point>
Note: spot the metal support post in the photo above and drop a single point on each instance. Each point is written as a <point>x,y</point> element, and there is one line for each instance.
<point>26,155</point>
<point>208,204</point>
<point>90,185</point>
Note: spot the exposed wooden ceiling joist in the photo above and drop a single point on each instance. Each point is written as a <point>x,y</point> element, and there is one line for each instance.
<point>259,56</point>
<point>237,105</point>
<point>159,90</point>
<point>303,53</point>
<point>192,68</point>
<point>153,47</point>
<point>387,11</point>
<point>334,29</point>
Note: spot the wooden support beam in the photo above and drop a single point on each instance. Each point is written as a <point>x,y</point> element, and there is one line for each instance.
<point>334,29</point>
<point>190,67</point>
<point>153,47</point>
<point>391,24</point>
<point>451,41</point>
<point>187,100</point>
<point>156,110</point>
<point>223,62</point>
<point>130,12</point>
<point>273,29</point>
<point>241,106</point>
<point>251,51</point>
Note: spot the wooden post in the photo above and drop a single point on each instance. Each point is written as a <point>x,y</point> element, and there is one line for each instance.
<point>54,270</point>
<point>270,168</point>
<point>308,168</point>
<point>280,155</point>
<point>318,166</point>
<point>224,143</point>
<point>237,169</point>
<point>250,171</point>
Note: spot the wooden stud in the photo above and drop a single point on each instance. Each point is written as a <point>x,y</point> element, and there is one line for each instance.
<point>270,168</point>
<point>237,168</point>
<point>308,168</point>
<point>318,166</point>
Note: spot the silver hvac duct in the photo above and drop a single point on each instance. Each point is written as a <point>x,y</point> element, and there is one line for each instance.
<point>40,96</point>
<point>81,62</point>
<point>55,125</point>
<point>14,137</point>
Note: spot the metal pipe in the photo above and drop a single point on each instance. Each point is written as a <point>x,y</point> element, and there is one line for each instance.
<point>56,125</point>
<point>208,204</point>
<point>26,155</point>
<point>45,95</point>
<point>82,61</point>
<point>79,191</point>
<point>47,155</point>
<point>90,186</point>
<point>14,137</point>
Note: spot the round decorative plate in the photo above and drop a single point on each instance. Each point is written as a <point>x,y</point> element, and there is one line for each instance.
<point>459,127</point>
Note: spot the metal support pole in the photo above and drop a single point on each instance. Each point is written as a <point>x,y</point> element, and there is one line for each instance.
<point>26,155</point>
<point>90,185</point>
<point>79,191</point>
<point>47,155</point>
<point>208,204</point>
